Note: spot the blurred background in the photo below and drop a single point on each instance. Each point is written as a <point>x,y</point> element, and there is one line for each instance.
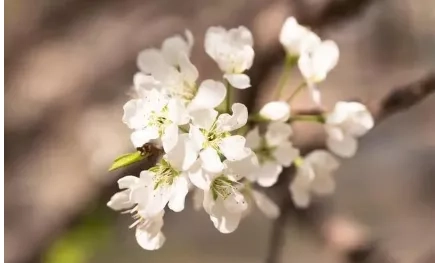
<point>69,67</point>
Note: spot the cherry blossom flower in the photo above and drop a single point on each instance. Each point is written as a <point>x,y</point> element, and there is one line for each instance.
<point>223,200</point>
<point>232,51</point>
<point>134,194</point>
<point>155,116</point>
<point>211,135</point>
<point>273,151</point>
<point>347,122</point>
<point>314,175</point>
<point>167,182</point>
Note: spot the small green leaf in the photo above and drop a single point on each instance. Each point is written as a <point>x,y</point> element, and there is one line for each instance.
<point>127,159</point>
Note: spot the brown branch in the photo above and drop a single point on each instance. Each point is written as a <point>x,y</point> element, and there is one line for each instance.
<point>400,99</point>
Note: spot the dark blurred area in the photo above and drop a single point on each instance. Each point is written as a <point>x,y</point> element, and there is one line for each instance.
<point>68,70</point>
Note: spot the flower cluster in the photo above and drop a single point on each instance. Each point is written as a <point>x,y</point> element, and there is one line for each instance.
<point>209,145</point>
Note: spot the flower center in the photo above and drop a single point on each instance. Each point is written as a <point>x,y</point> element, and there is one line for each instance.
<point>159,120</point>
<point>213,137</point>
<point>264,152</point>
<point>165,174</point>
<point>222,187</point>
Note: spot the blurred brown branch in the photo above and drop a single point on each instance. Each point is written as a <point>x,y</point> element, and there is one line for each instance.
<point>400,99</point>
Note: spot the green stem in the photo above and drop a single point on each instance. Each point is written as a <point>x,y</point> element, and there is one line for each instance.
<point>289,62</point>
<point>297,91</point>
<point>257,118</point>
<point>311,118</point>
<point>229,98</point>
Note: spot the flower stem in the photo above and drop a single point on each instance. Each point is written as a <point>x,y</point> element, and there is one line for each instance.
<point>296,91</point>
<point>311,118</point>
<point>257,118</point>
<point>289,62</point>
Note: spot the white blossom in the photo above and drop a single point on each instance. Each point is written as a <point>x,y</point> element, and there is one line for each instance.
<point>314,175</point>
<point>167,182</point>
<point>296,38</point>
<point>135,194</point>
<point>168,68</point>
<point>232,50</point>
<point>273,150</point>
<point>276,111</point>
<point>211,135</point>
<point>155,116</point>
<point>223,200</point>
<point>347,122</point>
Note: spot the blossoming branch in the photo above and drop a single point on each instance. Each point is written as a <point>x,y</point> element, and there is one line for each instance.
<point>204,143</point>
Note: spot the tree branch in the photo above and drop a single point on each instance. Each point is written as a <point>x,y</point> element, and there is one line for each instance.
<point>400,99</point>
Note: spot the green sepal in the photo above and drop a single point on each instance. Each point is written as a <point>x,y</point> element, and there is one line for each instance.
<point>127,159</point>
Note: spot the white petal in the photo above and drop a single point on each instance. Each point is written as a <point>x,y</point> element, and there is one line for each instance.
<point>173,47</point>
<point>235,203</point>
<point>300,187</point>
<point>158,200</point>
<point>268,173</point>
<point>326,57</point>
<point>301,199</point>
<point>294,37</point>
<point>323,184</point>
<point>120,201</point>
<point>253,138</point>
<point>315,64</point>
<point>226,122</point>
<point>285,153</point>
<point>149,242</point>
<point>276,111</point>
<point>277,132</point>
<point>346,147</point>
<point>267,206</point>
<point>233,147</point>
<point>244,167</point>
<point>132,114</point>
<point>181,188</point>
<point>211,160</point>
<point>188,70</point>
<point>170,137</point>
<point>127,181</point>
<point>144,83</point>
<point>241,35</point>
<point>183,154</point>
<point>214,37</point>
<point>140,137</point>
<point>352,117</point>
<point>198,176</point>
<point>196,137</point>
<point>177,113</point>
<point>209,95</point>
<point>151,61</point>
<point>238,81</point>
<point>204,118</point>
<point>225,221</point>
